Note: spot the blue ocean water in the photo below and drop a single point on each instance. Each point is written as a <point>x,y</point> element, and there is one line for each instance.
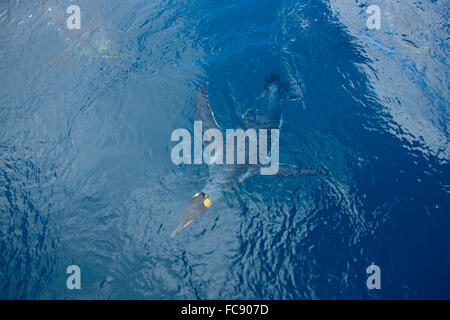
<point>86,176</point>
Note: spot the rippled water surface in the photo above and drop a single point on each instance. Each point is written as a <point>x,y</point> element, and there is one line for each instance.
<point>86,176</point>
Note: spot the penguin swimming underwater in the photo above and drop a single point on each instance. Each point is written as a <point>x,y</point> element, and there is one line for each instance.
<point>267,114</point>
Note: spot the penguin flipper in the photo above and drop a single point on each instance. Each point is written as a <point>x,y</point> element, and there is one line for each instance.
<point>293,171</point>
<point>203,111</point>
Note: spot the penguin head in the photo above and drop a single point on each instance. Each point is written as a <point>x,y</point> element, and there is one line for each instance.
<point>198,205</point>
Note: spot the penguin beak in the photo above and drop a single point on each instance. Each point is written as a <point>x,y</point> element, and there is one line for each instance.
<point>198,205</point>
<point>180,227</point>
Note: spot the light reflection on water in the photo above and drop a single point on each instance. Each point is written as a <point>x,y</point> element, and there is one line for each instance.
<point>86,176</point>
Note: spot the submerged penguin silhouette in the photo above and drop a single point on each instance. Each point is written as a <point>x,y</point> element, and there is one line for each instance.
<point>267,114</point>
